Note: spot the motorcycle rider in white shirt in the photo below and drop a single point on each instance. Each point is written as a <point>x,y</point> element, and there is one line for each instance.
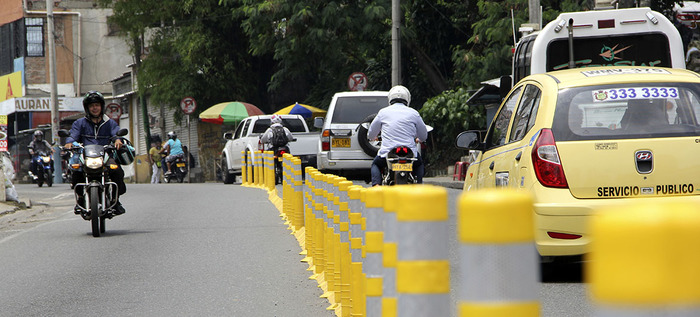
<point>399,125</point>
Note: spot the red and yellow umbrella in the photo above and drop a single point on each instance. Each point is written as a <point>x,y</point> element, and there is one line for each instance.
<point>230,112</point>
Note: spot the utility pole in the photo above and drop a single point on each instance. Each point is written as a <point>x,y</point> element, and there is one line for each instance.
<point>534,12</point>
<point>51,39</point>
<point>395,42</point>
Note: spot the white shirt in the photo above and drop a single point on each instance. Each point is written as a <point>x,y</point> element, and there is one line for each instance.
<point>399,125</point>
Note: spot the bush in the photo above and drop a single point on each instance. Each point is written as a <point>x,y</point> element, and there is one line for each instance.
<point>449,114</point>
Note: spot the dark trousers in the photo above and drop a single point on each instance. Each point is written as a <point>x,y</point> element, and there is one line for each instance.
<point>379,164</point>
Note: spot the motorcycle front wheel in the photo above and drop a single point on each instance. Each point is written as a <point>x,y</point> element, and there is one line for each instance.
<point>94,211</point>
<point>49,179</point>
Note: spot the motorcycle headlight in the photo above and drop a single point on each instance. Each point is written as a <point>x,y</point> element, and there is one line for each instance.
<point>46,159</point>
<point>93,162</point>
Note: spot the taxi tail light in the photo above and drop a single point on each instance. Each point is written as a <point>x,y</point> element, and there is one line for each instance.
<point>563,236</point>
<point>546,162</point>
<point>326,140</point>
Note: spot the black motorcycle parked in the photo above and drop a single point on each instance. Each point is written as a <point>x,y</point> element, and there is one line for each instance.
<point>179,171</point>
<point>44,169</point>
<point>99,194</point>
<point>399,168</point>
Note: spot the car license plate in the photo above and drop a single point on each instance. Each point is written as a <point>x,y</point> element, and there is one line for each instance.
<point>343,142</point>
<point>180,164</point>
<point>398,167</point>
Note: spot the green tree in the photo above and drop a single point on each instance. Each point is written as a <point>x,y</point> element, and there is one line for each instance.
<point>195,48</point>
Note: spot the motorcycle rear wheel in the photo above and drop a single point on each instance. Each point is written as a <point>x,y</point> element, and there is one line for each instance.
<point>94,211</point>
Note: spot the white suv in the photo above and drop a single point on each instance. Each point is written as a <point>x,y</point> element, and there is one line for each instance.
<point>343,147</point>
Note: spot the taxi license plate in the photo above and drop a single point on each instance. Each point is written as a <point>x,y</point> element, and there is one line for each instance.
<point>407,167</point>
<point>341,142</point>
<point>180,164</point>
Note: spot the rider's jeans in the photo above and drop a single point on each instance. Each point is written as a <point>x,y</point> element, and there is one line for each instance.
<point>379,163</point>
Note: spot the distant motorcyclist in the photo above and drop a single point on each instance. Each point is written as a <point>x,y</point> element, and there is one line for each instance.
<point>276,135</point>
<point>97,128</point>
<point>174,149</point>
<point>36,146</point>
<point>400,125</point>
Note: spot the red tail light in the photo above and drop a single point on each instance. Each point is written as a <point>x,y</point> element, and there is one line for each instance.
<point>326,140</point>
<point>546,162</point>
<point>282,152</point>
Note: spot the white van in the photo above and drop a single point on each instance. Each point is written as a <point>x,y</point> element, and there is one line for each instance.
<point>343,147</point>
<point>620,37</point>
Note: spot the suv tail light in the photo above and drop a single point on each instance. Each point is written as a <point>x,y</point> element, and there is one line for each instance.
<point>326,140</point>
<point>546,162</point>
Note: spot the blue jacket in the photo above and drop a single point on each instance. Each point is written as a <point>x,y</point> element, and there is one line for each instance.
<point>87,132</point>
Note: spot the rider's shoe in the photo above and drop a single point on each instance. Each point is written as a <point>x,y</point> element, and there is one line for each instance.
<point>168,173</point>
<point>119,209</point>
<point>76,209</point>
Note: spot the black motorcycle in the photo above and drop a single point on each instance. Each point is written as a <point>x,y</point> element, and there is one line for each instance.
<point>99,194</point>
<point>70,162</point>
<point>44,169</point>
<point>399,167</point>
<point>179,171</point>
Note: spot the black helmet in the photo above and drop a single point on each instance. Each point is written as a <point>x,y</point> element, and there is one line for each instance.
<point>38,135</point>
<point>172,135</point>
<point>91,97</point>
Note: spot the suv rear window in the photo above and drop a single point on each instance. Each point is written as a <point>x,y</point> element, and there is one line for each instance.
<point>294,125</point>
<point>356,109</point>
<point>627,111</point>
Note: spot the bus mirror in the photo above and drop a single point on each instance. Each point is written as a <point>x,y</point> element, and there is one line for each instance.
<point>505,85</point>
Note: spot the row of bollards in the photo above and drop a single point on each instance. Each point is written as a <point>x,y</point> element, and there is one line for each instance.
<point>384,251</point>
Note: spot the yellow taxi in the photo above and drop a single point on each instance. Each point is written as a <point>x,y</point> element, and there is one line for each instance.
<point>584,138</point>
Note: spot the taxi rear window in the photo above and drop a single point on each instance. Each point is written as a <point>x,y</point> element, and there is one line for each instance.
<point>627,111</point>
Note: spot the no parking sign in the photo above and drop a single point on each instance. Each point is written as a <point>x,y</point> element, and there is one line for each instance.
<point>357,81</point>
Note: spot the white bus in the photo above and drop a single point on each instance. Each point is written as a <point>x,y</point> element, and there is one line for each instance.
<point>629,37</point>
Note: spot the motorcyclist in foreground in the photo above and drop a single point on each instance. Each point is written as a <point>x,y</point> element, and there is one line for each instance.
<point>38,145</point>
<point>399,125</point>
<point>97,128</point>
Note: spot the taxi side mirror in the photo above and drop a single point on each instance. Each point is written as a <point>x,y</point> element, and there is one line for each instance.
<point>469,140</point>
<point>228,135</point>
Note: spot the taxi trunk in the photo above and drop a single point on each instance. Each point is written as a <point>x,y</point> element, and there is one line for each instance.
<point>630,168</point>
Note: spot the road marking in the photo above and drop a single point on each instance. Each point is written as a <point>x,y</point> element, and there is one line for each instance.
<point>23,231</point>
<point>59,196</point>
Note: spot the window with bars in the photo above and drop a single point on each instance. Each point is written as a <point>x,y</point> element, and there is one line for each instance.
<point>35,36</point>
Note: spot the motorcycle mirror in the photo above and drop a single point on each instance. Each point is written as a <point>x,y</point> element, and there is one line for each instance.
<point>123,132</point>
<point>63,133</point>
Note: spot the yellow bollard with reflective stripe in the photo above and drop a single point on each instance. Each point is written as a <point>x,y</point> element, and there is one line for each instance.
<point>422,268</point>
<point>390,251</point>
<point>644,258</point>
<point>496,229</point>
<point>374,245</point>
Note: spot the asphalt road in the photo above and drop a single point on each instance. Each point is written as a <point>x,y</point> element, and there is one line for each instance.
<point>180,250</point>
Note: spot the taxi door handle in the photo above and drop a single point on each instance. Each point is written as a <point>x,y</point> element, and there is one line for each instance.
<point>517,157</point>
<point>491,166</point>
